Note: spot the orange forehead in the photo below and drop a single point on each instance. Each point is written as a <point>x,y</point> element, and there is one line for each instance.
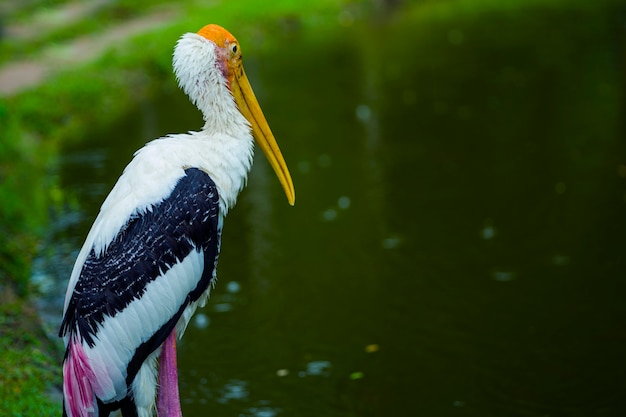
<point>217,35</point>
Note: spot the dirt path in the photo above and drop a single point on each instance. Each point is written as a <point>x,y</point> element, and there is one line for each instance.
<point>46,20</point>
<point>18,76</point>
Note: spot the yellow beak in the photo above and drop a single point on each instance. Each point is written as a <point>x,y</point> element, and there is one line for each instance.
<point>249,107</point>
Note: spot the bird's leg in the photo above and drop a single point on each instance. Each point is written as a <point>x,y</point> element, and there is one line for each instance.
<point>168,404</point>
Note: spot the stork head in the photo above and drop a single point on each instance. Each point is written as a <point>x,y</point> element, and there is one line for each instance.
<point>207,64</point>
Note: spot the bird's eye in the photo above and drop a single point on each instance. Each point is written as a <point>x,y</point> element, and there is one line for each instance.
<point>234,48</point>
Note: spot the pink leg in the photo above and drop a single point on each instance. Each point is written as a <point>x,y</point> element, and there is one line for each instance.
<point>168,399</point>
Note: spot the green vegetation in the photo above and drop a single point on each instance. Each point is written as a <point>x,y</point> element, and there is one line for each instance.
<point>28,372</point>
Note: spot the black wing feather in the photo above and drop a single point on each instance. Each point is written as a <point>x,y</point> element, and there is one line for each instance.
<point>148,244</point>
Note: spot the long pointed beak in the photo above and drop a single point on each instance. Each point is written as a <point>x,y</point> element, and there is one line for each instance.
<point>249,107</point>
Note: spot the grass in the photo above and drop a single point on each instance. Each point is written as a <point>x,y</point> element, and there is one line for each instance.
<point>29,371</point>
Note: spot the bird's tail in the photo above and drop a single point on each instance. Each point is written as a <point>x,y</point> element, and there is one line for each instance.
<point>78,393</point>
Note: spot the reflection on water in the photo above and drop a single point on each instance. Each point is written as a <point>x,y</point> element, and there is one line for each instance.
<point>457,243</point>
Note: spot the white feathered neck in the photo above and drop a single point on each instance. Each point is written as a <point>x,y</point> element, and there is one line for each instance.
<point>198,65</point>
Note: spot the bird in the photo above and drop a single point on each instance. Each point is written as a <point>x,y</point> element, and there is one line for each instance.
<point>150,257</point>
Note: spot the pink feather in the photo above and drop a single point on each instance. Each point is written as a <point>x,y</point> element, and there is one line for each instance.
<point>78,375</point>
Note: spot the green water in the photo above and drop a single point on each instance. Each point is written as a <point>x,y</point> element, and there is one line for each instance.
<point>457,243</point>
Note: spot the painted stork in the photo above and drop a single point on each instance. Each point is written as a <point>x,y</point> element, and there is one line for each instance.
<point>149,259</point>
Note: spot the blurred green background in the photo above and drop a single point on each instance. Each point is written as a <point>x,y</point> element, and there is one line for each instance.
<point>457,243</point>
